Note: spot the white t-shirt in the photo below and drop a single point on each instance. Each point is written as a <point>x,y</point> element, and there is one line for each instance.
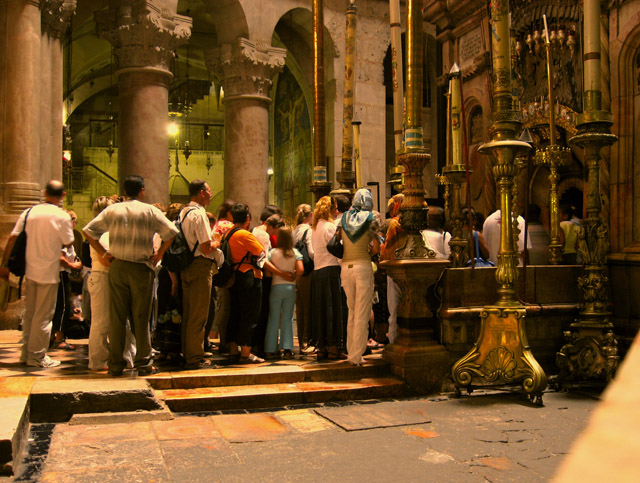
<point>276,256</point>
<point>321,235</point>
<point>491,233</point>
<point>49,228</point>
<point>438,242</point>
<point>96,264</point>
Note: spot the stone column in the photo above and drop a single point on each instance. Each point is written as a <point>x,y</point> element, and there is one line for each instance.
<point>246,70</point>
<point>55,20</point>
<point>20,86</point>
<point>144,36</point>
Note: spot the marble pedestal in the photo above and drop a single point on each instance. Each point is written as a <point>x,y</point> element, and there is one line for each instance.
<point>416,356</point>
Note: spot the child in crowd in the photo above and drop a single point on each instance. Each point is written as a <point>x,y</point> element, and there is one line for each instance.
<point>283,296</point>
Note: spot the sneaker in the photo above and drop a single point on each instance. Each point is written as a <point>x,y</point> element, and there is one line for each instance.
<point>45,362</point>
<point>147,370</point>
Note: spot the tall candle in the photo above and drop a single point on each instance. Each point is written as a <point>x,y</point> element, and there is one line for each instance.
<point>455,112</point>
<point>396,71</point>
<point>592,70</point>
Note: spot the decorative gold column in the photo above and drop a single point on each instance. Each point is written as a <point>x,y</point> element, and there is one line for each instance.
<point>553,157</point>
<point>415,355</point>
<point>591,353</point>
<point>346,177</point>
<point>247,69</point>
<point>321,184</point>
<point>144,35</point>
<point>396,71</point>
<point>455,170</point>
<point>501,356</point>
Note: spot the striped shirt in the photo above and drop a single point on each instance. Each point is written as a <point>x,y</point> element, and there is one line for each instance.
<point>131,226</point>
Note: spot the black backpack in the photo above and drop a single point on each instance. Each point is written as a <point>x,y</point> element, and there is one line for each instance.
<point>18,258</point>
<point>179,256</point>
<point>307,261</point>
<point>227,270</point>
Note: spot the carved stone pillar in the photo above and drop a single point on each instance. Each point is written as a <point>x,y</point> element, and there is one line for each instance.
<point>246,70</point>
<point>55,20</point>
<point>20,86</point>
<point>144,36</point>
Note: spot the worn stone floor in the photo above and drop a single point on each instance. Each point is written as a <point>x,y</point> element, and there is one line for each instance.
<point>484,437</point>
<point>488,436</point>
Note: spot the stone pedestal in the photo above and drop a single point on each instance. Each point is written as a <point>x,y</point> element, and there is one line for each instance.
<point>416,356</point>
<point>246,70</point>
<point>144,36</point>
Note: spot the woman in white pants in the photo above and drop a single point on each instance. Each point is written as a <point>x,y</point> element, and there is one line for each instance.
<point>359,226</point>
<point>98,285</point>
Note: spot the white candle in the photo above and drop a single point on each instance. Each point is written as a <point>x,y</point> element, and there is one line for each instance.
<point>592,71</point>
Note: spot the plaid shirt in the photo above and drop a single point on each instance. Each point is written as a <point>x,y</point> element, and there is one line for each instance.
<point>131,226</point>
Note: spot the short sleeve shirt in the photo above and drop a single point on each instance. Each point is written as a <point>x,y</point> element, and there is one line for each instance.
<point>196,227</point>
<point>276,256</point>
<point>240,243</point>
<point>48,229</point>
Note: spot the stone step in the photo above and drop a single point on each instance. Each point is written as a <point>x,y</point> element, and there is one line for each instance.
<point>268,374</point>
<point>266,396</point>
<point>57,400</point>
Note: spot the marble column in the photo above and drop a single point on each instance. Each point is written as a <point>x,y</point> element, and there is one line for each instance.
<point>144,36</point>
<point>20,87</point>
<point>246,70</point>
<point>55,20</point>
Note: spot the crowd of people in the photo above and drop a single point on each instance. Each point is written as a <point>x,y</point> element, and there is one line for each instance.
<point>139,308</point>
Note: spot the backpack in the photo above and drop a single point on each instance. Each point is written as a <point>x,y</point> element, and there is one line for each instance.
<point>18,258</point>
<point>179,256</point>
<point>227,270</point>
<point>301,246</point>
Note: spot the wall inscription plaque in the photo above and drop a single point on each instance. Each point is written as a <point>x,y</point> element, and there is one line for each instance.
<point>469,47</point>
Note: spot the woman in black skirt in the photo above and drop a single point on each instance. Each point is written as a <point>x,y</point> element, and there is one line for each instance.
<point>326,318</point>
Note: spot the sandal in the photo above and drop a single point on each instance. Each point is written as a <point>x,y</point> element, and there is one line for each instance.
<point>62,345</point>
<point>251,359</point>
<point>288,354</point>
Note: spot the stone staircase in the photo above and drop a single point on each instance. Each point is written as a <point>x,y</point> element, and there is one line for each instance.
<point>275,385</point>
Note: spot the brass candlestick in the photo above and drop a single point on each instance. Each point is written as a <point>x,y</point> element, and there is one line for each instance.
<point>553,157</point>
<point>455,171</point>
<point>501,356</point>
<point>592,353</point>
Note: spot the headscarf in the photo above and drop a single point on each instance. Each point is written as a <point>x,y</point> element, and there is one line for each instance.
<point>358,219</point>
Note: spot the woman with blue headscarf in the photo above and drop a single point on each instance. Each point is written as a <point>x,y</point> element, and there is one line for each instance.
<point>359,226</point>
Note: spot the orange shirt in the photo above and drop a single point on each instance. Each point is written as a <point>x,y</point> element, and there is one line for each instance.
<point>242,242</point>
<point>387,251</point>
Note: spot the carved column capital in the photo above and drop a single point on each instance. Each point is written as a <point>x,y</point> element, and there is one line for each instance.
<point>246,68</point>
<point>56,15</point>
<point>143,34</point>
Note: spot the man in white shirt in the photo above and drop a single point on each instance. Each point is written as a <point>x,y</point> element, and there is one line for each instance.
<point>491,233</point>
<point>434,236</point>
<point>196,278</point>
<point>48,229</point>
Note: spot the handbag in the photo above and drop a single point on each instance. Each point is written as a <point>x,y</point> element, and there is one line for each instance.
<point>17,262</point>
<point>307,261</point>
<point>479,261</point>
<point>335,246</point>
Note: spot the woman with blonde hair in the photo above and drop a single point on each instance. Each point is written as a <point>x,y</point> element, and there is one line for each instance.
<point>302,233</point>
<point>326,298</point>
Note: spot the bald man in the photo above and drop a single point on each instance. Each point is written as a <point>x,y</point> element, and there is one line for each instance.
<point>48,228</point>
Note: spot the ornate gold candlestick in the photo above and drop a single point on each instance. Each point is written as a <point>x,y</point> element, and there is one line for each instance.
<point>501,356</point>
<point>415,355</point>
<point>320,185</point>
<point>455,171</point>
<point>553,156</point>
<point>592,353</point>
<point>346,176</point>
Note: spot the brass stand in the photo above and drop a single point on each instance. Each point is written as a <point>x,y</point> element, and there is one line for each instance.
<point>591,353</point>
<point>501,356</point>
<point>456,175</point>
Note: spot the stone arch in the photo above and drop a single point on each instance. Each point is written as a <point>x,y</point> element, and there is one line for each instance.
<point>625,187</point>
